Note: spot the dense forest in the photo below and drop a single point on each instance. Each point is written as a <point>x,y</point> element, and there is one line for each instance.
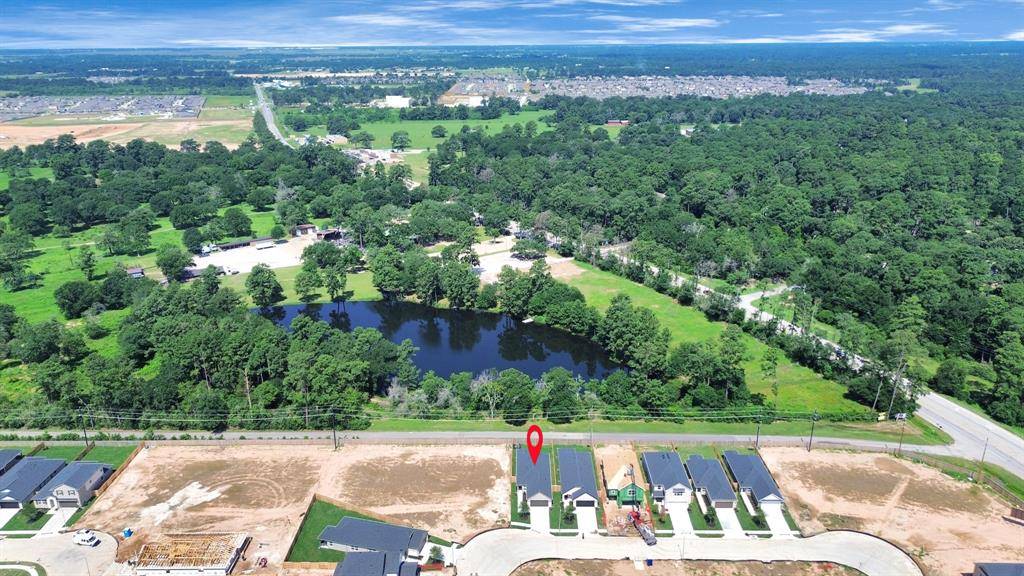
<point>898,218</point>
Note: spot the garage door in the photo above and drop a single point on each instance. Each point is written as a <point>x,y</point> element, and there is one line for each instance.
<point>68,503</point>
<point>8,504</point>
<point>586,504</point>
<point>543,503</point>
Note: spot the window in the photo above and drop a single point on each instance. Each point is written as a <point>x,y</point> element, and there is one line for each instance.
<point>631,492</point>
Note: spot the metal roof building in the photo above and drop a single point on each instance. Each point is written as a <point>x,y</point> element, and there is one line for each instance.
<point>576,473</point>
<point>753,476</point>
<point>709,477</point>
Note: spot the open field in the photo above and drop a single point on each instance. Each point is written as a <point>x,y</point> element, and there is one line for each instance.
<point>230,131</point>
<point>360,284</point>
<point>946,523</point>
<point>263,490</point>
<point>34,172</point>
<point>62,452</point>
<point>799,388</point>
<point>676,567</point>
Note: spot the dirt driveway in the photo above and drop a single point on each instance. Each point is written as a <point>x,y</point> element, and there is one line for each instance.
<point>946,523</point>
<point>243,259</point>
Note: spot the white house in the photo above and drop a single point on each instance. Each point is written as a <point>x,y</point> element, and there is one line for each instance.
<point>577,478</point>
<point>668,481</point>
<point>73,486</point>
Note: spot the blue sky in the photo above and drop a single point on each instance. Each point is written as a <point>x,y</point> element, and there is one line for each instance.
<point>259,23</point>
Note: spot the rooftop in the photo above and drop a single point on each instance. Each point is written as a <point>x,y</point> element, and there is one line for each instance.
<point>576,473</point>
<point>535,477</point>
<point>75,475</point>
<point>709,475</point>
<point>999,569</point>
<point>373,535</point>
<point>206,551</point>
<point>664,469</point>
<point>751,474</point>
<point>21,482</point>
<point>7,457</point>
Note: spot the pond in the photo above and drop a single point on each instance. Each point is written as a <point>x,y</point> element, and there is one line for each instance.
<point>451,341</point>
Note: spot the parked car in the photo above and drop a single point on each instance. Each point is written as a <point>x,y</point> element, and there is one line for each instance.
<point>85,537</point>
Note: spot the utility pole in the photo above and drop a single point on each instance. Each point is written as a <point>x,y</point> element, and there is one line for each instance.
<point>903,424</point>
<point>981,467</point>
<point>814,420</point>
<point>334,429</point>
<point>757,441</point>
<point>85,432</point>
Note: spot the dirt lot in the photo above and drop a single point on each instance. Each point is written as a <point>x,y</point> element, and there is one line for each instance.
<point>948,524</point>
<point>169,132</point>
<point>613,457</point>
<point>263,490</point>
<point>676,568</point>
<point>243,259</point>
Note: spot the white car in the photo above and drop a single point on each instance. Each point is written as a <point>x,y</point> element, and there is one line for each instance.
<point>85,538</point>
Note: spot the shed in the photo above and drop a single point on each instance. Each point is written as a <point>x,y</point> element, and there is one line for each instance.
<point>135,272</point>
<point>533,481</point>
<point>23,480</point>
<point>666,477</point>
<point>576,477</point>
<point>709,479</point>
<point>73,486</point>
<point>304,229</point>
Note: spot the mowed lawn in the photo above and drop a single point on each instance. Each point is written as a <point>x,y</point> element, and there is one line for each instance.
<point>113,455</point>
<point>361,286</point>
<point>799,388</point>
<point>34,172</point>
<point>306,547</point>
<point>62,452</point>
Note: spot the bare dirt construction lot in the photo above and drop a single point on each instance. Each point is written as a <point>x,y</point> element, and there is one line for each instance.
<point>947,524</point>
<point>231,133</point>
<point>263,490</point>
<point>452,491</point>
<point>610,460</point>
<point>676,568</point>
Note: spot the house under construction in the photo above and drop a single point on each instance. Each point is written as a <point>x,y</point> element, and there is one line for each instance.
<point>210,554</point>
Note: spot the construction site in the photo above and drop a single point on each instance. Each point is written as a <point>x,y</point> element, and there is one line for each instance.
<point>188,554</point>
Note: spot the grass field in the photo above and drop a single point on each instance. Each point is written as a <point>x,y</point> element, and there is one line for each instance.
<point>113,455</point>
<point>914,85</point>
<point>799,388</point>
<point>919,432</point>
<point>63,452</point>
<point>306,547</point>
<point>361,286</point>
<point>21,521</point>
<point>34,172</point>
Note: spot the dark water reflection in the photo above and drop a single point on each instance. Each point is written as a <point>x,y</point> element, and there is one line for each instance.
<point>452,341</point>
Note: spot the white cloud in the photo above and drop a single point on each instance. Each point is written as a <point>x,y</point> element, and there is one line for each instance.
<point>1018,35</point>
<point>637,24</point>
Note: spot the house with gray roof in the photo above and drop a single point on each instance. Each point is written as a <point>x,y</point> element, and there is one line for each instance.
<point>8,458</point>
<point>533,481</point>
<point>753,477</point>
<point>375,564</point>
<point>361,535</point>
<point>73,486</point>
<point>998,569</point>
<point>576,477</point>
<point>710,480</point>
<point>667,478</point>
<point>23,480</point>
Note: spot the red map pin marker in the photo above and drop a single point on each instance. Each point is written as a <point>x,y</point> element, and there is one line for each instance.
<point>534,445</point>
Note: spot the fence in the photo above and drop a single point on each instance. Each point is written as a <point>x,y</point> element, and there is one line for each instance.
<point>120,469</point>
<point>977,474</point>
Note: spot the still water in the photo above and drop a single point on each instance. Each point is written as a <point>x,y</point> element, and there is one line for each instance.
<point>452,341</point>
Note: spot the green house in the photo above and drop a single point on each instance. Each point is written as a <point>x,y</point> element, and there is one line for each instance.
<point>622,487</point>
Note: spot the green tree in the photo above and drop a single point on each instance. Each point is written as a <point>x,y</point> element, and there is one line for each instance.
<point>335,280</point>
<point>172,261</point>
<point>770,370</point>
<point>460,284</point>
<point>362,139</point>
<point>236,222</point>
<point>87,262</point>
<point>400,140</point>
<point>307,283</point>
<point>75,297</point>
<point>263,287</point>
<point>561,396</point>
<point>439,131</point>
<point>517,397</point>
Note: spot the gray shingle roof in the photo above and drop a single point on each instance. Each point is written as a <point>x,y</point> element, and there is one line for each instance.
<point>999,569</point>
<point>75,475</point>
<point>664,469</point>
<point>751,474</point>
<point>7,457</point>
<point>709,475</point>
<point>21,482</point>
<point>409,569</point>
<point>576,473</point>
<point>536,477</point>
<point>373,535</point>
<point>361,564</point>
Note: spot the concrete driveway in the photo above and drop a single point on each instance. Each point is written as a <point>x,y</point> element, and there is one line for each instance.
<point>730,522</point>
<point>59,556</point>
<point>680,518</point>
<point>776,521</point>
<point>499,552</point>
<point>540,519</point>
<point>586,519</point>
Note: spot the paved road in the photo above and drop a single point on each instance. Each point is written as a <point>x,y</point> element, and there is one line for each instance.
<point>59,556</point>
<point>499,552</point>
<point>268,115</point>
